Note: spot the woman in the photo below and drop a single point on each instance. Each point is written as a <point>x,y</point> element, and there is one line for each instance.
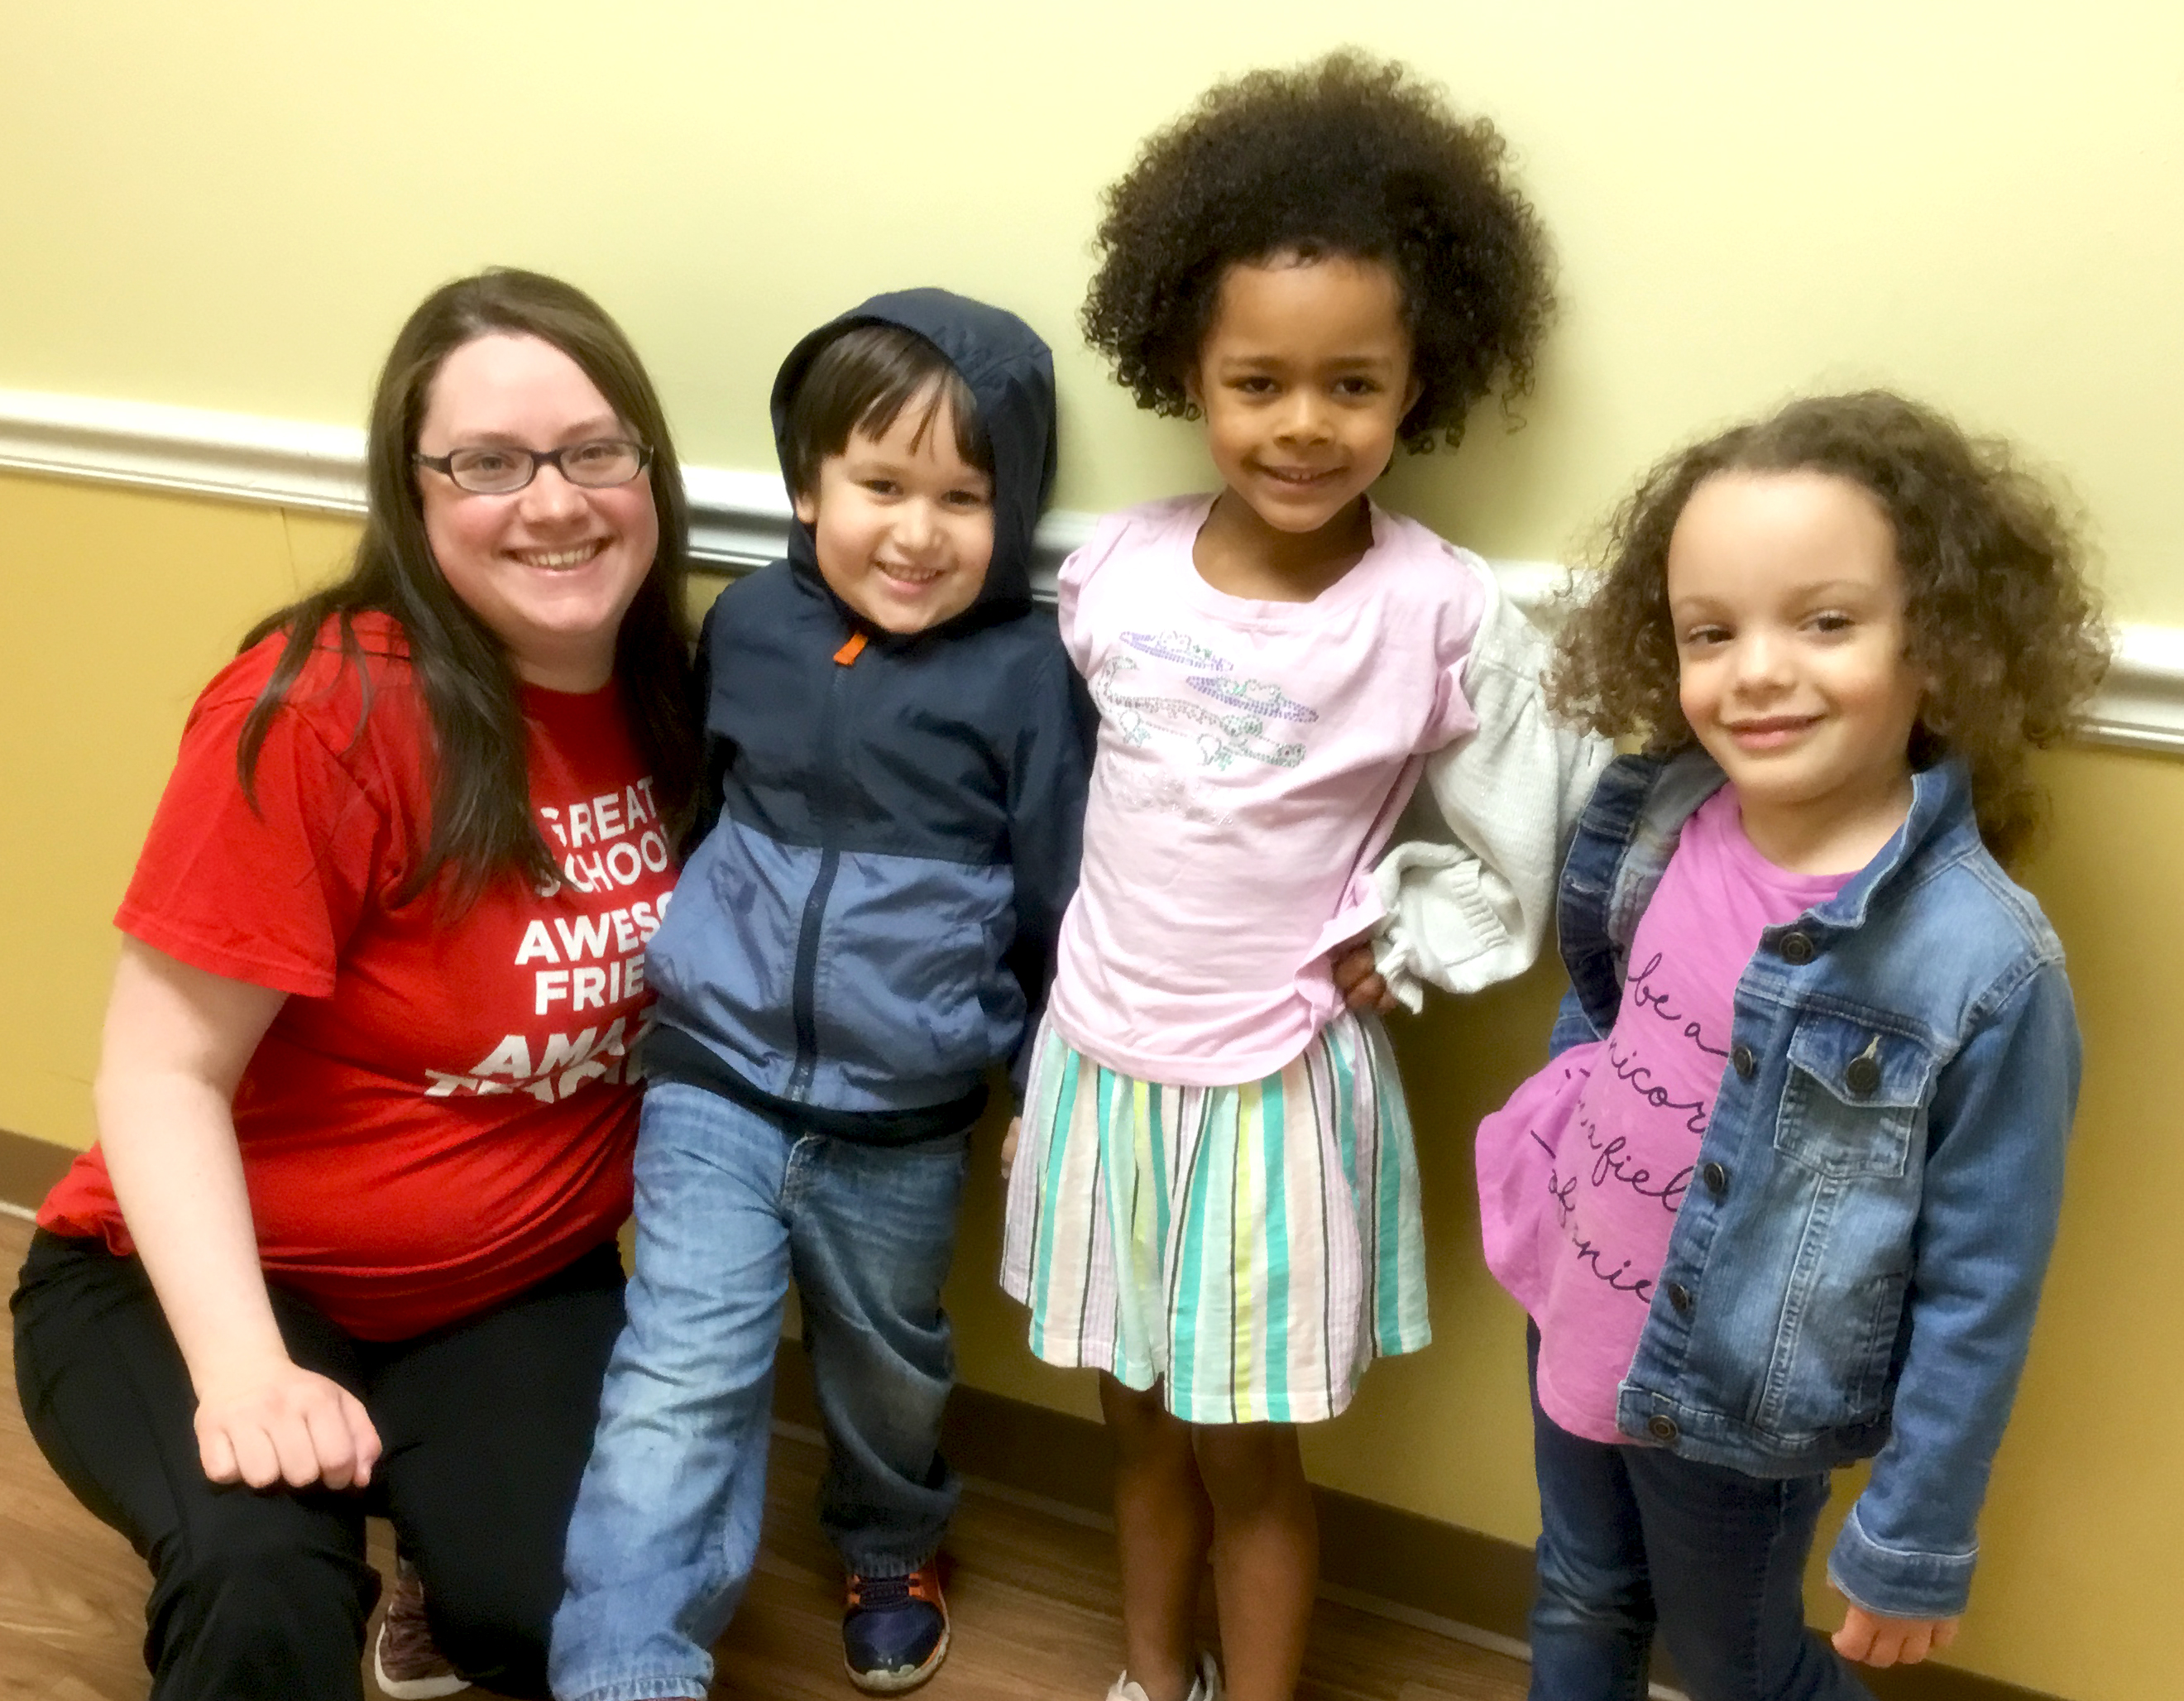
<point>365,1113</point>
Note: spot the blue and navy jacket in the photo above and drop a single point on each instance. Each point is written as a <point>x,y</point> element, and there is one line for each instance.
<point>1856,1271</point>
<point>869,924</point>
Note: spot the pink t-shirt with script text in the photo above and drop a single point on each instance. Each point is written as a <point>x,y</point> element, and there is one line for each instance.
<point>1582,1171</point>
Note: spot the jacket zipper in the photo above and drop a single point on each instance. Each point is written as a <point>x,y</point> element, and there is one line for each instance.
<point>804,989</point>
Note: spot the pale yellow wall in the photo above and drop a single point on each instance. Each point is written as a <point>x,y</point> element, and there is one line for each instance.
<point>233,207</point>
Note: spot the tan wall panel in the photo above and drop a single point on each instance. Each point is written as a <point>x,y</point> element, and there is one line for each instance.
<point>121,606</point>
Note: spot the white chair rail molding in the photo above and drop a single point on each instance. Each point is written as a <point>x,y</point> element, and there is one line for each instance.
<point>739,516</point>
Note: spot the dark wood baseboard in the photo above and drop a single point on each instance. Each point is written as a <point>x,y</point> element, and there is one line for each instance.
<point>1379,1551</point>
<point>1375,1550</point>
<point>29,1168</point>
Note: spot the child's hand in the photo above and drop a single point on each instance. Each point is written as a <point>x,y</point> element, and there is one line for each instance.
<point>1009,1146</point>
<point>1360,983</point>
<point>1873,1640</point>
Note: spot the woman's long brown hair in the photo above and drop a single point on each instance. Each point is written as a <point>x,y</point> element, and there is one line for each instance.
<point>481,821</point>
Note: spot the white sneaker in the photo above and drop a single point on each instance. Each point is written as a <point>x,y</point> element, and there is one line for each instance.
<point>1206,1686</point>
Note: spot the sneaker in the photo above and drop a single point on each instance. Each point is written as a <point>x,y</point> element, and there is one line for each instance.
<point>895,1634</point>
<point>407,1662</point>
<point>1206,1687</point>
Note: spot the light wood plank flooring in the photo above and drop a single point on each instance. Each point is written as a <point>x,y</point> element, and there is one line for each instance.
<point>1032,1594</point>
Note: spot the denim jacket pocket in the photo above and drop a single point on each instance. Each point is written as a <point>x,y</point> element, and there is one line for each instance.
<point>1855,1098</point>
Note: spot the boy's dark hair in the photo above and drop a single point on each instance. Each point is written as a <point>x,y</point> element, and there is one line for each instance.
<point>861,381</point>
<point>1346,156</point>
<point>482,824</point>
<point>2006,631</point>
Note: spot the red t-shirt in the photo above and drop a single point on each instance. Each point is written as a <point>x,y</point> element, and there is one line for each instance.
<point>443,1111</point>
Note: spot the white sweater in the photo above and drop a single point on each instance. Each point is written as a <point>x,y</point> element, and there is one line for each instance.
<point>1470,900</point>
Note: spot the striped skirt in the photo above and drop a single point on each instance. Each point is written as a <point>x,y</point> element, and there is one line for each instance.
<point>1254,1247</point>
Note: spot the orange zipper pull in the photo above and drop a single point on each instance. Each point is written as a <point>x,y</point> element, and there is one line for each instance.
<point>851,650</point>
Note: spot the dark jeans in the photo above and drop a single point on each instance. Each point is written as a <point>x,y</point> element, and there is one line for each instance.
<point>1634,1538</point>
<point>485,1426</point>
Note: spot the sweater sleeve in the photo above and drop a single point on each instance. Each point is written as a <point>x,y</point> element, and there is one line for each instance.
<point>1468,904</point>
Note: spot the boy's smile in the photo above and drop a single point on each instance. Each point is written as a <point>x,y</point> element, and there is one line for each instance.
<point>1788,609</point>
<point>903,527</point>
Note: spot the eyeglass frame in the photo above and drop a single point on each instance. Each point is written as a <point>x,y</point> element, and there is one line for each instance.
<point>444,464</point>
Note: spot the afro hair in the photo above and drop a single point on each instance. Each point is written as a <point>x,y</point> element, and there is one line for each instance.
<point>1345,156</point>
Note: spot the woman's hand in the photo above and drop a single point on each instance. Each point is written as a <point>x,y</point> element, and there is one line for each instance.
<point>1357,980</point>
<point>1009,1146</point>
<point>1873,1640</point>
<point>285,1424</point>
<point>177,1042</point>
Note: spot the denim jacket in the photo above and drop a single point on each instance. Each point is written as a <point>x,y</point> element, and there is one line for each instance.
<point>1857,1270</point>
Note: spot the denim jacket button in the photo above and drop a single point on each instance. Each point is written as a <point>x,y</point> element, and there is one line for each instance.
<point>1741,1060</point>
<point>1863,1076</point>
<point>1679,1296</point>
<point>1796,949</point>
<point>1663,1430</point>
<point>1716,1178</point>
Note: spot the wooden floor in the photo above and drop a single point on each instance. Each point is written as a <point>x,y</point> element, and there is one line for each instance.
<point>1032,1595</point>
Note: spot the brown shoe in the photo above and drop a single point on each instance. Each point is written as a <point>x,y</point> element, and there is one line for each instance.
<point>407,1662</point>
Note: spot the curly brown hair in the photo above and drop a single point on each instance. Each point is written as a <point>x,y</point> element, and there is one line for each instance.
<point>1346,156</point>
<point>2008,633</point>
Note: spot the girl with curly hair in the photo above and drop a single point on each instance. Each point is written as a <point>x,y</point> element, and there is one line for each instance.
<point>1784,1196</point>
<point>1216,1203</point>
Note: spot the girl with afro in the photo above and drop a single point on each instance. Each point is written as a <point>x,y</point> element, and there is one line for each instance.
<point>1215,1203</point>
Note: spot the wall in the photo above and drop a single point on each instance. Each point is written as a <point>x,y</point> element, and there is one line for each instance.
<point>233,206</point>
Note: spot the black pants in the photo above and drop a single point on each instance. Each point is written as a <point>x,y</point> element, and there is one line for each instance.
<point>485,1427</point>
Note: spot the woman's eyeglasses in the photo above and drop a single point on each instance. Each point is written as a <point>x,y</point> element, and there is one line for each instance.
<point>500,470</point>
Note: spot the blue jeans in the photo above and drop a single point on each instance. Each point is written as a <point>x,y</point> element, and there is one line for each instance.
<point>730,1206</point>
<point>1633,1538</point>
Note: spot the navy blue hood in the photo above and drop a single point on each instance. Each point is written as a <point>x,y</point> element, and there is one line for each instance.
<point>1010,371</point>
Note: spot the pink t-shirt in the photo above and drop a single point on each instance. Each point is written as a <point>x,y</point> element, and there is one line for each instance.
<point>1581,1173</point>
<point>1253,757</point>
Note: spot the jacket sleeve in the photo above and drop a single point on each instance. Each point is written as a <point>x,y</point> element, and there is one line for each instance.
<point>1991,1196</point>
<point>715,753</point>
<point>1049,773</point>
<point>1469,909</point>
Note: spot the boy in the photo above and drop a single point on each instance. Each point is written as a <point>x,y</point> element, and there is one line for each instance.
<point>900,769</point>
